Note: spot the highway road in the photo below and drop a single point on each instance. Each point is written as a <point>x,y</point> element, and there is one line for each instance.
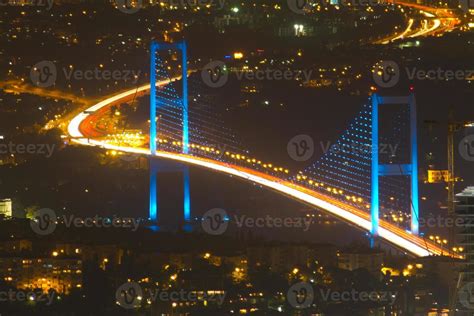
<point>427,22</point>
<point>83,132</point>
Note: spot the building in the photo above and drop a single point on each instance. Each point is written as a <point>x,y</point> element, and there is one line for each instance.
<point>5,208</point>
<point>27,273</point>
<point>465,238</point>
<point>279,258</point>
<point>16,246</point>
<point>105,255</point>
<point>369,259</point>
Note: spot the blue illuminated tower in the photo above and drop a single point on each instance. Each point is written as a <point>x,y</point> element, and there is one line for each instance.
<point>156,102</point>
<point>378,170</point>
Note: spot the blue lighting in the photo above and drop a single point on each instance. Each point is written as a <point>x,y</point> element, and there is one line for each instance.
<point>391,169</point>
<point>375,203</point>
<point>184,79</point>
<point>153,195</point>
<point>415,211</point>
<point>187,196</point>
<point>153,99</point>
<point>171,104</point>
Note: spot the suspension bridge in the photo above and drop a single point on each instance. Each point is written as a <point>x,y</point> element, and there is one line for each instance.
<point>355,183</point>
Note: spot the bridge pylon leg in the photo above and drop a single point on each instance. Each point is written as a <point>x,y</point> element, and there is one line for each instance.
<point>156,167</point>
<point>383,170</point>
<point>156,101</point>
<point>187,200</point>
<point>153,208</point>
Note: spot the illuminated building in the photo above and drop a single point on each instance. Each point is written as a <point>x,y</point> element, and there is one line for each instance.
<point>465,210</point>
<point>279,258</point>
<point>60,274</point>
<point>6,207</point>
<point>105,254</point>
<point>371,260</point>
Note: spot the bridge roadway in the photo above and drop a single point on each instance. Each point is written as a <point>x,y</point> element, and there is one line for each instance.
<point>82,131</point>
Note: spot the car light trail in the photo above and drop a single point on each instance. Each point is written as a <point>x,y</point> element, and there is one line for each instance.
<point>412,244</point>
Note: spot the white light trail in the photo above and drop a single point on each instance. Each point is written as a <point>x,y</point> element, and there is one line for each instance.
<point>402,239</point>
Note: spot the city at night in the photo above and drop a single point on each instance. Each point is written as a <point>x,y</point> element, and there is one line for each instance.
<point>224,157</point>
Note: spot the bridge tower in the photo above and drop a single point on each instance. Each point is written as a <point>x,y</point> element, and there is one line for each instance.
<point>154,104</point>
<point>381,170</point>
